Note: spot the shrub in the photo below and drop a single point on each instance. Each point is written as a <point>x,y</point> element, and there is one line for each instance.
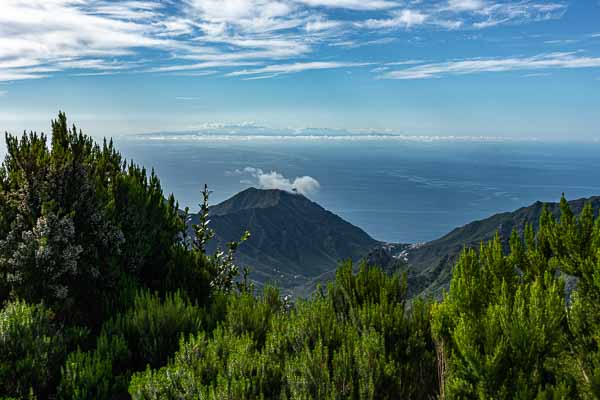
<point>146,334</point>
<point>153,326</point>
<point>360,341</point>
<point>75,218</point>
<point>501,331</point>
<point>32,349</point>
<point>94,374</point>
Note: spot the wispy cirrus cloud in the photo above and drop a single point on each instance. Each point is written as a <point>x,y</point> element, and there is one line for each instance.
<point>362,5</point>
<point>188,98</point>
<point>561,41</point>
<point>280,69</point>
<point>397,19</point>
<point>549,61</point>
<point>494,14</point>
<point>40,38</point>
<point>470,14</point>
<point>466,5</point>
<point>538,75</point>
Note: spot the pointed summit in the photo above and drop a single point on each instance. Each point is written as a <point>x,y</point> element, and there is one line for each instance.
<point>293,239</point>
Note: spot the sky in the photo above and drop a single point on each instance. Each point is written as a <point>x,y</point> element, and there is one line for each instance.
<point>516,69</point>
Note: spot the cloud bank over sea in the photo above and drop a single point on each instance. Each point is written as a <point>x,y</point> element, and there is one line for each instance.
<point>250,132</point>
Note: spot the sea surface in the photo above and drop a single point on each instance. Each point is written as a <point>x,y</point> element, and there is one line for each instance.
<point>401,191</point>
<point>405,191</point>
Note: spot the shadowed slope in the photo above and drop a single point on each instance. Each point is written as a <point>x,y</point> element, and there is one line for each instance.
<point>293,239</point>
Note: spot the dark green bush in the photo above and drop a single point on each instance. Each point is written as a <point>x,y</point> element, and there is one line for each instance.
<point>75,218</point>
<point>32,349</point>
<point>152,326</point>
<point>360,341</point>
<point>147,334</point>
<point>505,329</point>
<point>95,374</point>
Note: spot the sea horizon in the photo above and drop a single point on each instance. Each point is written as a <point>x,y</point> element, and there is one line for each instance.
<point>398,190</point>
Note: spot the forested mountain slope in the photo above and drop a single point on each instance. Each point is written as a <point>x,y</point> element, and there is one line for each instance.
<point>292,240</point>
<point>429,265</point>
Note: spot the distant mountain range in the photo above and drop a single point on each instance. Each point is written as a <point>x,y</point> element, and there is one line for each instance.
<point>296,244</point>
<point>429,265</point>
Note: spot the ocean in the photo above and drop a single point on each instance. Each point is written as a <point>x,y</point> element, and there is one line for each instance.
<point>398,190</point>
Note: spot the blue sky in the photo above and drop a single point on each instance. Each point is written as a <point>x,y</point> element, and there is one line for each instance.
<point>525,68</point>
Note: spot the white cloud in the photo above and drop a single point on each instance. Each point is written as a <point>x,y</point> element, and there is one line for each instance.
<point>274,70</point>
<point>222,133</point>
<point>217,16</point>
<point>497,13</point>
<point>379,69</point>
<point>187,98</point>
<point>57,33</point>
<point>399,19</point>
<point>561,41</point>
<point>537,75</point>
<point>229,126</point>
<point>99,73</point>
<point>405,62</point>
<point>354,43</point>
<point>202,65</point>
<point>321,24</point>
<point>93,64</point>
<point>474,66</point>
<point>448,24</point>
<point>466,5</point>
<point>16,75</point>
<point>304,185</point>
<point>274,180</point>
<point>3,93</point>
<point>352,4</point>
<point>39,38</point>
<point>456,14</point>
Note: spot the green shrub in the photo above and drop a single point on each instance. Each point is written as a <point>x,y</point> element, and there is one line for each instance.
<point>360,341</point>
<point>146,334</point>
<point>32,349</point>
<point>153,326</point>
<point>75,218</point>
<point>94,374</point>
<point>501,329</point>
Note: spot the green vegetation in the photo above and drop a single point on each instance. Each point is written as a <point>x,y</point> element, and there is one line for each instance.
<point>107,294</point>
<point>429,265</point>
<point>357,341</point>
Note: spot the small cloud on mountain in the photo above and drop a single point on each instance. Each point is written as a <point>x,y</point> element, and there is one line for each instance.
<point>274,180</point>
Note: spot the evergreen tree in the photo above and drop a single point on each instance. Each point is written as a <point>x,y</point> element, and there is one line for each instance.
<point>77,219</point>
<point>507,328</point>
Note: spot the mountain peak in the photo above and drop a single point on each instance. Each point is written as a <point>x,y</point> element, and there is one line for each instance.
<point>293,239</point>
<point>253,198</point>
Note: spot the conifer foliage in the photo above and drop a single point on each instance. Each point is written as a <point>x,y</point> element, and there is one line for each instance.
<point>508,328</point>
<point>72,214</point>
<point>81,232</point>
<point>357,341</point>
